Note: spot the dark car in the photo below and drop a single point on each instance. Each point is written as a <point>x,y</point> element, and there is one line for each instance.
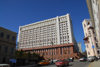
<point>61,63</point>
<point>92,58</point>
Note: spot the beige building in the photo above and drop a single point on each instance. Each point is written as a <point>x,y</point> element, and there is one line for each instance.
<point>51,38</point>
<point>94,10</point>
<point>7,45</point>
<point>57,30</point>
<point>89,38</point>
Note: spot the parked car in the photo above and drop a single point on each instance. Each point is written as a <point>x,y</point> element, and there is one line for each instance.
<point>98,58</point>
<point>83,59</point>
<point>44,62</point>
<point>61,63</point>
<point>70,59</point>
<point>90,59</point>
<point>53,61</point>
<point>95,58</point>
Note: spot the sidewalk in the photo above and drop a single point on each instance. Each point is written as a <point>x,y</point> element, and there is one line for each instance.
<point>95,64</point>
<point>28,66</point>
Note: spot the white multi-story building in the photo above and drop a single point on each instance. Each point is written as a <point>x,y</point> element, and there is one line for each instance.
<point>54,31</point>
<point>90,39</point>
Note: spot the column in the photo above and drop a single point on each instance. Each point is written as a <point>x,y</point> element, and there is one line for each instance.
<point>57,27</point>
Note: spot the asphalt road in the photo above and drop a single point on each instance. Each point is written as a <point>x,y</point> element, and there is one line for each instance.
<point>73,64</point>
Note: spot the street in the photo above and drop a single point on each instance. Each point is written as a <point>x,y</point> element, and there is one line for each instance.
<point>73,64</point>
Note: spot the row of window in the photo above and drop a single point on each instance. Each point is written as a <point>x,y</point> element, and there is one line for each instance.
<point>2,35</point>
<point>6,49</point>
<point>49,51</point>
<point>36,43</point>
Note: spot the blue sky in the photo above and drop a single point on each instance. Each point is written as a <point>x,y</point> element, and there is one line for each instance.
<point>15,13</point>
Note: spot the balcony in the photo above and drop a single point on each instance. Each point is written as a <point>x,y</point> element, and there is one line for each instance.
<point>90,27</point>
<point>85,38</point>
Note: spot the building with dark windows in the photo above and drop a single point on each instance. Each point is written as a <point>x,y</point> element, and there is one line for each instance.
<point>50,38</point>
<point>7,45</point>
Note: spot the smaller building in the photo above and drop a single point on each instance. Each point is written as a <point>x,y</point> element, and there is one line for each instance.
<point>90,38</point>
<point>7,45</point>
<point>61,51</point>
<point>79,47</point>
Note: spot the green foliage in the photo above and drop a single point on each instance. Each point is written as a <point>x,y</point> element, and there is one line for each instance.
<point>27,55</point>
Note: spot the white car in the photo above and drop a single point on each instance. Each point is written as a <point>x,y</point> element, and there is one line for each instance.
<point>4,65</point>
<point>53,61</point>
<point>82,59</point>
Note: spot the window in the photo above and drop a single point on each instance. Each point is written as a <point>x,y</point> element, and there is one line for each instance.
<point>13,38</point>
<point>90,33</point>
<point>98,52</point>
<point>96,45</point>
<point>68,36</point>
<point>84,25</point>
<point>12,50</point>
<point>88,53</point>
<point>88,23</point>
<point>8,36</point>
<point>0,48</point>
<point>61,51</point>
<point>2,34</point>
<point>87,46</point>
<point>68,50</point>
<point>6,49</point>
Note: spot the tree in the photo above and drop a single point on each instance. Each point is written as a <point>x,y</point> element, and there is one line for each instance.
<point>28,57</point>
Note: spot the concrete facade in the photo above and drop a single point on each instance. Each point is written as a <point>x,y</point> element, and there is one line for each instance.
<point>90,38</point>
<point>7,45</point>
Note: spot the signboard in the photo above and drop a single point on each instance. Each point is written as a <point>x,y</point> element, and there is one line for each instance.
<point>92,46</point>
<point>13,60</point>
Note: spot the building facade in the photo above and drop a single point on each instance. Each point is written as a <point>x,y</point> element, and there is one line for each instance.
<point>90,38</point>
<point>94,10</point>
<point>50,32</point>
<point>79,47</point>
<point>7,45</point>
<point>62,51</point>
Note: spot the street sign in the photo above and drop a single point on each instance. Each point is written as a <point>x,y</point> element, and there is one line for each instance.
<point>92,46</point>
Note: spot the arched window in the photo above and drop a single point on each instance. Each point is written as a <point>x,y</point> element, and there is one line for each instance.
<point>84,25</point>
<point>88,23</point>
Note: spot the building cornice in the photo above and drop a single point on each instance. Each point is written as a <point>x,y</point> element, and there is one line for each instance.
<point>46,47</point>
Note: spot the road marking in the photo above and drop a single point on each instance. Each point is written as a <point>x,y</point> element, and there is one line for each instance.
<point>90,64</point>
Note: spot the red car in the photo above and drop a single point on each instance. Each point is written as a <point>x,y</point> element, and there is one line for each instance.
<point>61,63</point>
